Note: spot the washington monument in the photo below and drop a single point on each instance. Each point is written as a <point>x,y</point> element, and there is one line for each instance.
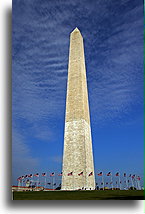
<point>78,165</point>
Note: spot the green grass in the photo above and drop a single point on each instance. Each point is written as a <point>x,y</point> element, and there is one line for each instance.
<point>81,195</point>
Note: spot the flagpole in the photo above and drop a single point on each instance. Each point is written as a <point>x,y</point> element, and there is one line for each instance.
<point>84,182</point>
<point>103,180</point>
<point>135,182</point>
<point>23,183</point>
<point>45,182</point>
<point>111,182</point>
<point>18,184</point>
<point>126,183</point>
<point>52,183</point>
<point>54,177</point>
<point>31,183</point>
<point>73,181</point>
<point>132,182</point>
<point>32,180</point>
<point>139,187</point>
<point>139,184</point>
<point>37,183</point>
<point>119,181</point>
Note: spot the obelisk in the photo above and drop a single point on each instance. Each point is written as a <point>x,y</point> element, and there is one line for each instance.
<point>78,166</point>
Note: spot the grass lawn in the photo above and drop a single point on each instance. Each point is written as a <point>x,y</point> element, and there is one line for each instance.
<point>81,195</point>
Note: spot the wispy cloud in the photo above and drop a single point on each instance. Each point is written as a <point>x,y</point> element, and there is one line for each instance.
<point>116,69</point>
<point>22,160</point>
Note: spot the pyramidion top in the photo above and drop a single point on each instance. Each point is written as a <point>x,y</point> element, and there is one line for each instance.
<point>76,30</point>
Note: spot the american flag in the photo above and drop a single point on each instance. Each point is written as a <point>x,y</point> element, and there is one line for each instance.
<point>44,174</point>
<point>117,174</point>
<point>81,173</point>
<point>36,175</point>
<point>91,173</point>
<point>52,174</point>
<point>109,173</point>
<point>18,179</point>
<point>71,173</point>
<point>60,174</point>
<point>100,174</point>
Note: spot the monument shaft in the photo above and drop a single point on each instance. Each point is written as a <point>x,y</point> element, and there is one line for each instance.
<point>78,155</point>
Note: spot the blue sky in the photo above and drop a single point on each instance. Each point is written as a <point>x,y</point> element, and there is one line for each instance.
<point>113,40</point>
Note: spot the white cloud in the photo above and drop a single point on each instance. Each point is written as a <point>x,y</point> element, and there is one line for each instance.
<point>22,161</point>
